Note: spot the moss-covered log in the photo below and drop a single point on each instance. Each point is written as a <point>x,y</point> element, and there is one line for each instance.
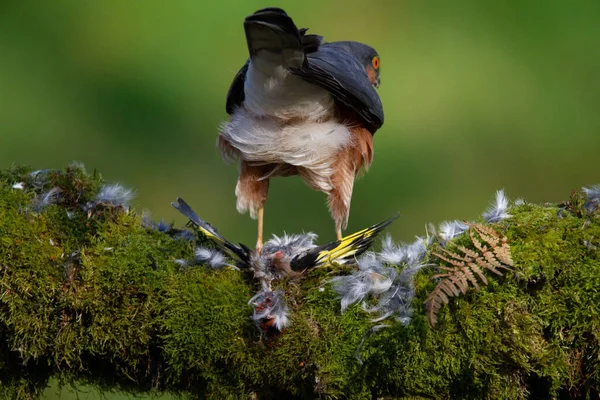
<point>88,294</point>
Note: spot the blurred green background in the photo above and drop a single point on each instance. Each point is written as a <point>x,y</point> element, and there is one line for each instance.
<point>478,96</point>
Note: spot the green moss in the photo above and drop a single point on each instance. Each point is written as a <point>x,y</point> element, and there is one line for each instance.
<point>95,298</point>
<point>206,328</point>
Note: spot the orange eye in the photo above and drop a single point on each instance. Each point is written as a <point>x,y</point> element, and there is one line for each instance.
<point>375,62</point>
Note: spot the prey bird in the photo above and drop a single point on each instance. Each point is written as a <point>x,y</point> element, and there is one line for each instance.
<point>300,106</point>
<point>289,256</point>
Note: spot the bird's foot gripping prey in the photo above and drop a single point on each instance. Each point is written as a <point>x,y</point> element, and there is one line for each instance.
<point>300,106</point>
<point>287,257</point>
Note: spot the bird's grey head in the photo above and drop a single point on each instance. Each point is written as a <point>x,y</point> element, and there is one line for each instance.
<point>367,56</point>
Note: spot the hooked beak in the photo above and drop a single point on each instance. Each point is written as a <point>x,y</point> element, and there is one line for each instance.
<point>376,83</point>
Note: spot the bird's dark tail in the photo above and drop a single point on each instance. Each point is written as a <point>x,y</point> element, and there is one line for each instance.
<point>273,37</point>
<point>341,250</point>
<point>240,253</point>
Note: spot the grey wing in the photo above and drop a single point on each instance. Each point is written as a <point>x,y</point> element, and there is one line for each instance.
<point>235,95</point>
<point>346,79</point>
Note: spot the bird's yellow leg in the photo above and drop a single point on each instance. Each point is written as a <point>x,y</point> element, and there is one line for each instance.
<point>259,241</point>
<point>338,233</point>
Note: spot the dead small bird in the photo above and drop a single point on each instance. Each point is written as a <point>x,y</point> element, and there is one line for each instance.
<point>289,256</point>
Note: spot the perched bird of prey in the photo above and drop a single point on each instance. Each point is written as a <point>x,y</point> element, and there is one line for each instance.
<point>289,256</point>
<point>300,106</point>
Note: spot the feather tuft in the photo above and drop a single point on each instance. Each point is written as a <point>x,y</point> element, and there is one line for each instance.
<point>292,244</point>
<point>45,199</point>
<point>390,291</point>
<point>497,211</point>
<point>593,198</point>
<point>270,310</point>
<point>451,229</point>
<point>210,257</point>
<point>161,226</point>
<point>410,254</point>
<point>115,194</point>
<point>186,235</point>
<point>370,278</point>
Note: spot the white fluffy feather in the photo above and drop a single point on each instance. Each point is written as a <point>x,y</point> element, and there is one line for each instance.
<point>271,306</point>
<point>411,254</point>
<point>450,229</point>
<point>273,91</point>
<point>211,257</point>
<point>497,211</point>
<point>312,145</point>
<point>45,199</point>
<point>115,194</point>
<point>292,244</point>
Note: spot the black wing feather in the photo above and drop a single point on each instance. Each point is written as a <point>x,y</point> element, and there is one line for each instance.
<point>271,29</point>
<point>241,252</point>
<point>235,95</point>
<point>359,244</point>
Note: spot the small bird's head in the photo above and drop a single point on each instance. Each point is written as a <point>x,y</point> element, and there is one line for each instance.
<point>366,55</point>
<point>279,263</point>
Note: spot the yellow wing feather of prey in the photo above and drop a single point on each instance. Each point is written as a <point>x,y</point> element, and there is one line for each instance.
<point>346,246</point>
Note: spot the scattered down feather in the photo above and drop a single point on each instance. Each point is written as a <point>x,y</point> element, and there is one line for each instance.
<point>382,288</point>
<point>270,310</point>
<point>212,258</point>
<point>114,194</point>
<point>370,278</point>
<point>392,253</point>
<point>593,198</point>
<point>45,199</point>
<point>451,229</point>
<point>161,226</point>
<point>186,235</point>
<point>497,211</point>
<point>291,244</point>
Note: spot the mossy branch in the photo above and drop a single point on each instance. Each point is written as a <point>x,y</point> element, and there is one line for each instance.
<point>88,294</point>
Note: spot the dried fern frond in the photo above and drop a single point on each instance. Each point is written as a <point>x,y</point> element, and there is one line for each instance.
<point>464,265</point>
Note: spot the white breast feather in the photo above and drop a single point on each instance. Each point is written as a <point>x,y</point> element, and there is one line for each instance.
<point>280,94</point>
<point>313,145</point>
